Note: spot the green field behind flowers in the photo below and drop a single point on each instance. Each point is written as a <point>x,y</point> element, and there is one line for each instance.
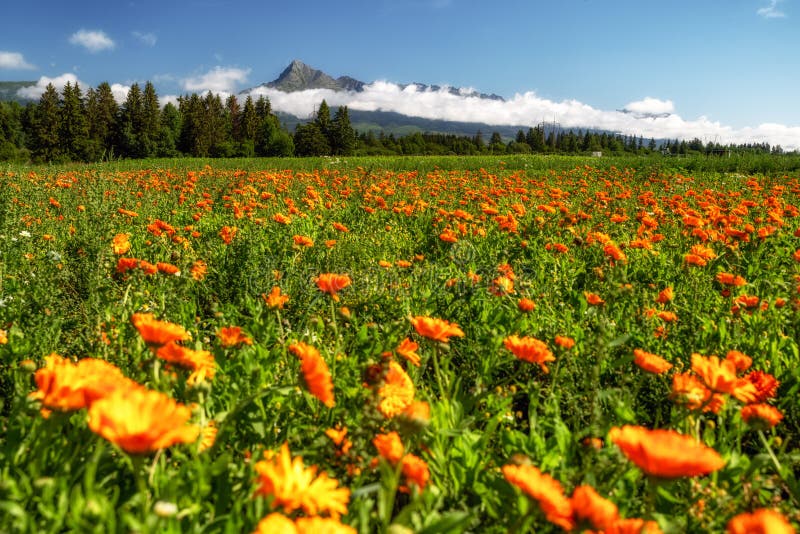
<point>459,239</point>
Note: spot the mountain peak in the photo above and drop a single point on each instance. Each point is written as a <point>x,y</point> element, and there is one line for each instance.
<point>298,77</point>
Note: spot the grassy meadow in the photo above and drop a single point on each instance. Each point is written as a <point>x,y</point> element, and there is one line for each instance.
<point>530,344</point>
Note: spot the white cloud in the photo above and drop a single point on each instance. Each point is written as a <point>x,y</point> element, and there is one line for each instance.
<point>217,80</point>
<point>148,39</point>
<point>651,106</point>
<point>654,117</point>
<point>34,92</point>
<point>120,92</point>
<point>771,11</point>
<point>163,100</point>
<point>14,61</point>
<point>93,40</point>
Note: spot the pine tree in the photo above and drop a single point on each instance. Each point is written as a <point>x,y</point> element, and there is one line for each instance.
<point>101,113</point>
<point>130,124</point>
<point>343,136</point>
<point>151,122</point>
<point>234,115</point>
<point>310,141</point>
<point>169,133</point>
<point>73,128</point>
<point>46,142</point>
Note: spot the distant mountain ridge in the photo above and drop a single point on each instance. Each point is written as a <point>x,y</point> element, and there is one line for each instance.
<point>8,91</point>
<point>300,77</point>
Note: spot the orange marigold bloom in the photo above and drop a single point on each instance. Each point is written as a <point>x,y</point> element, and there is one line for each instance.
<point>761,416</point>
<point>208,435</point>
<point>227,233</point>
<point>3,337</point>
<point>729,279</point>
<point>614,252</point>
<point>593,298</point>
<point>436,329</point>
<point>740,360</point>
<point>167,268</point>
<point>766,385</point>
<point>565,342</point>
<point>332,283</point>
<point>665,453</point>
<point>120,244</point>
<point>707,253</point>
<point>390,447</point>
<point>545,490</point>
<point>63,385</point>
<point>126,264</point>
<point>407,349</point>
<point>315,372</point>
<point>147,267</point>
<point>418,413</point>
<point>448,236</point>
<point>201,362</point>
<point>667,316</point>
<point>530,350</point>
<point>761,521</point>
<point>198,270</point>
<point>303,241</point>
<point>525,305</point>
<point>276,523</point>
<point>650,362</point>
<point>128,213</point>
<point>292,486</point>
<point>232,336</point>
<point>139,420</point>
<point>633,526</point>
<point>589,506</point>
<point>275,300</point>
<point>396,392</point>
<point>157,333</point>
<point>694,259</point>
<point>322,525</point>
<point>340,227</point>
<point>415,471</point>
<point>665,295</point>
<point>502,285</point>
<point>720,376</point>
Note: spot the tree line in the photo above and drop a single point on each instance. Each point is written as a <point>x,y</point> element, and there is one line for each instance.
<point>72,126</point>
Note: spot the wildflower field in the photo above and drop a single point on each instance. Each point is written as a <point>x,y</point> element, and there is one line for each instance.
<point>469,345</point>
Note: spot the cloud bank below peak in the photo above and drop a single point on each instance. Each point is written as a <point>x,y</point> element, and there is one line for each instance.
<point>648,117</point>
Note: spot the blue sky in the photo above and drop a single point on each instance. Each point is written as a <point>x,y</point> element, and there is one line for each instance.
<point>723,67</point>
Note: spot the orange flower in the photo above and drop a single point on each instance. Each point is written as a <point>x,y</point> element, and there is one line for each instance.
<point>63,385</point>
<point>650,362</point>
<point>126,264</point>
<point>593,298</point>
<point>227,233</point>
<point>525,305</point>
<point>766,385</point>
<point>396,392</point>
<point>665,295</point>
<point>761,521</point>
<point>720,376</point>
<point>332,283</point>
<point>545,490</point>
<point>139,420</point>
<point>276,523</point>
<point>761,416</point>
<point>120,244</point>
<point>292,486</point>
<point>147,267</point>
<point>448,236</point>
<point>436,329</point>
<point>565,342</point>
<point>740,360</point>
<point>303,241</point>
<point>729,279</point>
<point>689,391</point>
<point>321,525</point>
<point>502,285</point>
<point>418,413</point>
<point>315,372</point>
<point>665,453</point>
<point>201,362</point>
<point>3,337</point>
<point>633,526</point>
<point>167,268</point>
<point>415,470</point>
<point>208,435</point>
<point>614,252</point>
<point>157,333</point>
<point>340,227</point>
<point>390,447</point>
<point>407,349</point>
<point>275,300</point>
<point>232,336</point>
<point>588,505</point>
<point>667,316</point>
<point>530,350</point>
<point>198,270</point>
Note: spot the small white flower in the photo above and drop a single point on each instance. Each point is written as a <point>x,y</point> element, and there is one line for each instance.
<point>25,233</point>
<point>165,509</point>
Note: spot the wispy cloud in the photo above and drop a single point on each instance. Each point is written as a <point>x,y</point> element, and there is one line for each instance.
<point>772,11</point>
<point>14,61</point>
<point>649,117</point>
<point>92,40</point>
<point>34,92</point>
<point>148,39</point>
<point>217,80</point>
